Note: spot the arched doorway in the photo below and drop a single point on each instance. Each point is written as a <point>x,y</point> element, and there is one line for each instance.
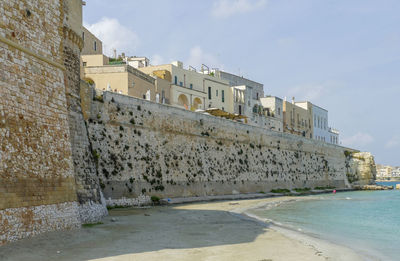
<point>196,103</point>
<point>183,101</point>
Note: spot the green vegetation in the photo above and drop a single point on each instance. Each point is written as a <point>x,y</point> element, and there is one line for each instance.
<point>116,206</point>
<point>300,190</point>
<point>280,190</point>
<point>98,98</point>
<point>322,188</point>
<point>347,153</point>
<point>155,199</point>
<point>96,156</point>
<point>89,81</point>
<point>92,225</point>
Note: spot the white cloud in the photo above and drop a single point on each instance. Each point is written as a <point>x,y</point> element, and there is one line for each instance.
<point>227,8</point>
<point>360,139</point>
<point>114,36</point>
<point>393,142</point>
<point>198,56</point>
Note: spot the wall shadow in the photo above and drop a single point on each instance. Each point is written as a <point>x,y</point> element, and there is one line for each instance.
<point>138,231</point>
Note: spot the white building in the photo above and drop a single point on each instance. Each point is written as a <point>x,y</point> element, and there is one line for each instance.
<point>321,129</point>
<point>273,108</point>
<point>396,172</point>
<point>137,62</point>
<point>333,136</point>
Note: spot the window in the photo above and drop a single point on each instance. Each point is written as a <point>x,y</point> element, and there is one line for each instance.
<point>315,120</point>
<point>209,92</point>
<point>216,93</point>
<point>83,36</point>
<point>84,64</point>
<point>240,109</point>
<point>257,95</point>
<point>279,111</point>
<point>191,86</point>
<point>223,96</point>
<point>176,80</point>
<point>95,46</point>
<point>223,109</point>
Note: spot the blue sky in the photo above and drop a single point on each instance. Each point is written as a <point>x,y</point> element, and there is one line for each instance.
<point>343,55</point>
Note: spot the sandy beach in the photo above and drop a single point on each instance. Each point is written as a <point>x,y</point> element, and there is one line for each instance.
<point>198,231</point>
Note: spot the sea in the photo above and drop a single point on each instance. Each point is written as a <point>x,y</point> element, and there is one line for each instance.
<point>365,221</point>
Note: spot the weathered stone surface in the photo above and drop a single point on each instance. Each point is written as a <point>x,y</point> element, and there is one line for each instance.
<point>361,168</point>
<point>92,209</point>
<point>37,183</point>
<point>143,148</point>
<point>42,131</point>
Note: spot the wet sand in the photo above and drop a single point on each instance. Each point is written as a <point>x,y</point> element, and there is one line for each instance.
<point>200,231</point>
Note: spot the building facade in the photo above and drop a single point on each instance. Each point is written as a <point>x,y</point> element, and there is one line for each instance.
<point>91,44</point>
<point>387,172</point>
<point>333,136</point>
<point>273,108</point>
<point>297,120</point>
<point>193,90</point>
<point>320,123</point>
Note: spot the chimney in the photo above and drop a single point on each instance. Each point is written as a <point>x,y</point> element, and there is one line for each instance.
<point>292,100</point>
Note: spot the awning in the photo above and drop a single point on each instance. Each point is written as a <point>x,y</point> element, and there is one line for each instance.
<point>224,114</point>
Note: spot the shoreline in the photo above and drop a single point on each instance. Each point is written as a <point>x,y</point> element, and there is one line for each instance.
<point>217,230</point>
<point>326,248</point>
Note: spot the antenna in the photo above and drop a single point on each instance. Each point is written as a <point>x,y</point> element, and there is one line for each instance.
<point>202,68</point>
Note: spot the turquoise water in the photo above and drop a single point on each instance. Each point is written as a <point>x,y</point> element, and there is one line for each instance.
<point>366,221</point>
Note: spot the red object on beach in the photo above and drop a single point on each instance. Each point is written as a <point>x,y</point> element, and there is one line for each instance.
<point>334,191</point>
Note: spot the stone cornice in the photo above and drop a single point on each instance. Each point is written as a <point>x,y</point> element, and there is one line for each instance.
<point>73,37</point>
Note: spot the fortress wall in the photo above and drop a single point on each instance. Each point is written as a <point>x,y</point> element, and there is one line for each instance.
<point>37,183</point>
<point>91,207</point>
<point>144,149</point>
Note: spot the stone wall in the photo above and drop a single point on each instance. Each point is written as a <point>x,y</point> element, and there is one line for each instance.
<point>91,206</point>
<point>144,149</point>
<point>37,183</point>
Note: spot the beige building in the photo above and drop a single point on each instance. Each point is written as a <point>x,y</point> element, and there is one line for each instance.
<point>193,90</point>
<point>91,44</point>
<point>124,79</point>
<point>297,120</point>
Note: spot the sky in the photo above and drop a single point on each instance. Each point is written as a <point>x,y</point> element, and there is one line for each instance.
<point>342,55</point>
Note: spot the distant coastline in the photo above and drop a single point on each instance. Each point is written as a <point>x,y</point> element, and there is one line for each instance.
<point>388,179</point>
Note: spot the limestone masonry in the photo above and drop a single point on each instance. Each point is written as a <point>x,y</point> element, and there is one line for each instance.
<point>67,151</point>
<point>145,148</point>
